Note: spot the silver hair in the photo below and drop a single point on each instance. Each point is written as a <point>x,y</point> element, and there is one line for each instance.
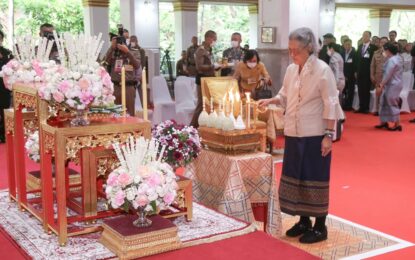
<point>306,37</point>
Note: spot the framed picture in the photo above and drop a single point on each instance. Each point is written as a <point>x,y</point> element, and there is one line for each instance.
<point>268,34</point>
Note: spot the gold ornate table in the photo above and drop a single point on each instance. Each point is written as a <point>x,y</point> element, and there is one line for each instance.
<point>67,143</point>
<point>233,184</point>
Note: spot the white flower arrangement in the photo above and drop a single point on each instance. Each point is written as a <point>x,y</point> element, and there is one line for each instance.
<point>32,146</point>
<point>143,180</point>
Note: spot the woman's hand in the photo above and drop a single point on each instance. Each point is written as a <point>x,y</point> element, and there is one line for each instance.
<point>326,146</point>
<point>263,103</point>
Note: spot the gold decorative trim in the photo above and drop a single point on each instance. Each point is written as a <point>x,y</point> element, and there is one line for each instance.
<point>375,6</point>
<point>24,99</point>
<point>106,165</point>
<point>96,3</point>
<point>49,143</point>
<point>185,6</point>
<point>380,13</point>
<point>76,143</point>
<point>253,9</point>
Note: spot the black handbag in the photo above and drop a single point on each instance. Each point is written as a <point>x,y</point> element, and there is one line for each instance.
<point>262,91</point>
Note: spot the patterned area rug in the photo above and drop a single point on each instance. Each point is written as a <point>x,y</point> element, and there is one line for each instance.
<point>207,226</point>
<point>346,240</point>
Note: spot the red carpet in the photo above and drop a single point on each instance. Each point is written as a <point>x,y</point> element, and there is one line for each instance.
<point>373,174</point>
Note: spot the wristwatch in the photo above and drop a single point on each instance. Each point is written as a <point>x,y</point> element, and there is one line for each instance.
<point>329,133</point>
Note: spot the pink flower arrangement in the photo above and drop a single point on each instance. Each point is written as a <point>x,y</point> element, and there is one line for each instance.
<point>77,90</point>
<point>182,142</point>
<point>151,185</point>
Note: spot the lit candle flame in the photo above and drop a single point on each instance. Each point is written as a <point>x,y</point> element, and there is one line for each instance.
<point>231,96</point>
<point>248,96</point>
<point>238,97</point>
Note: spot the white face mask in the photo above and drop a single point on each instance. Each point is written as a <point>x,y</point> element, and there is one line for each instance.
<point>384,54</point>
<point>213,44</point>
<point>251,64</point>
<point>329,53</point>
<point>234,44</point>
<point>133,44</point>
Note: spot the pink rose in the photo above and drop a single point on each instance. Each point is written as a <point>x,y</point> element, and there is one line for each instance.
<point>58,97</point>
<point>141,201</point>
<point>83,84</point>
<point>168,198</point>
<point>86,97</point>
<point>143,171</point>
<point>37,68</point>
<point>124,179</point>
<point>119,198</point>
<point>112,180</point>
<point>106,80</point>
<point>64,86</point>
<point>154,180</point>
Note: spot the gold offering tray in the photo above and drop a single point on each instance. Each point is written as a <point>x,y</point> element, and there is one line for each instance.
<point>231,142</point>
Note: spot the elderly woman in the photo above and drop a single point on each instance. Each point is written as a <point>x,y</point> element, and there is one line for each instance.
<point>391,86</point>
<point>309,96</point>
<point>250,72</point>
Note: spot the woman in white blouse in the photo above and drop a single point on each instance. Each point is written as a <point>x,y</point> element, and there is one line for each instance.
<point>309,96</point>
<point>407,77</point>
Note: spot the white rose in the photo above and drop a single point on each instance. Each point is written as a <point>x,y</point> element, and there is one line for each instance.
<point>130,194</point>
<point>76,75</point>
<point>137,178</point>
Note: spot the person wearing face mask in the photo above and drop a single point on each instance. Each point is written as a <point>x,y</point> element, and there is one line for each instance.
<point>376,70</point>
<point>205,68</point>
<point>391,86</point>
<point>310,99</point>
<point>5,94</point>
<point>249,73</point>
<point>139,55</point>
<point>234,54</point>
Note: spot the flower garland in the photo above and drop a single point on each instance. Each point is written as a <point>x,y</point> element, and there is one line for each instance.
<point>182,142</point>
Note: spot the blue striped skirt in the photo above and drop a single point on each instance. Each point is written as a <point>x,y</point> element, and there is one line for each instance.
<point>304,185</point>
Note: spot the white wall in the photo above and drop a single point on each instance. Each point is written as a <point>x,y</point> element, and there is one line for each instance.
<point>147,23</point>
<point>305,13</point>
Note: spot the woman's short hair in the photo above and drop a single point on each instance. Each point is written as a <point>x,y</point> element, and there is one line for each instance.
<point>306,37</point>
<point>249,54</point>
<point>391,47</point>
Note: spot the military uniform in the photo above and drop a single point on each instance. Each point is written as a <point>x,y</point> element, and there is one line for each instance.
<point>131,65</point>
<point>233,55</point>
<point>205,68</point>
<point>181,68</point>
<point>191,63</point>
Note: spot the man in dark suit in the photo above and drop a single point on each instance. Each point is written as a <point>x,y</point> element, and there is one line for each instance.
<point>322,55</point>
<point>364,58</point>
<point>349,57</point>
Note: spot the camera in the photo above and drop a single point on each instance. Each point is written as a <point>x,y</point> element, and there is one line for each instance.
<point>49,36</point>
<point>120,38</point>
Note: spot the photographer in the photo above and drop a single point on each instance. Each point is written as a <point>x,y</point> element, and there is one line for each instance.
<point>46,31</point>
<point>5,94</point>
<point>118,55</point>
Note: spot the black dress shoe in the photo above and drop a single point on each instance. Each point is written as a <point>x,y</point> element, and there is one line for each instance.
<point>412,121</point>
<point>396,128</point>
<point>314,236</point>
<point>376,114</point>
<point>383,125</point>
<point>298,229</point>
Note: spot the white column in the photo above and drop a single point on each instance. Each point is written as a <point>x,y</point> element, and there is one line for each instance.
<point>96,19</point>
<point>305,14</point>
<point>127,15</point>
<point>185,18</point>
<point>146,20</point>
<point>327,15</point>
<point>253,26</point>
<point>380,21</point>
<point>285,16</point>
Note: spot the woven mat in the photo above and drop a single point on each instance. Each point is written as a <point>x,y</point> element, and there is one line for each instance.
<point>207,226</point>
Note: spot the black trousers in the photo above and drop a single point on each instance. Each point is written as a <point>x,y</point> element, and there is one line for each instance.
<point>5,101</point>
<point>364,84</point>
<point>348,93</point>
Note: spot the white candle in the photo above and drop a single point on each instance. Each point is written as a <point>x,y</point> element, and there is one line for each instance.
<point>144,91</point>
<point>248,108</point>
<point>211,105</point>
<point>238,100</point>
<point>123,101</point>
<point>204,104</point>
